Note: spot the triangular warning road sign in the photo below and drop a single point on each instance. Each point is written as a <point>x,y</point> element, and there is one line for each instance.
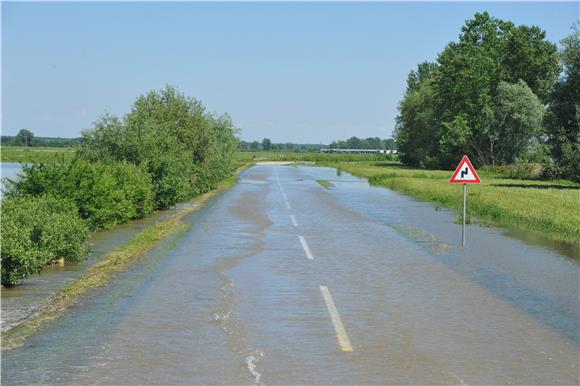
<point>465,173</point>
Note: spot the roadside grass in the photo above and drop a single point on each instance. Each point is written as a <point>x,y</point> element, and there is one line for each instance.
<point>327,184</point>
<point>102,272</point>
<point>35,154</point>
<point>549,207</point>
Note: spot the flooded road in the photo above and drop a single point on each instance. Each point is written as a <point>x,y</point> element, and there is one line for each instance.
<point>283,281</point>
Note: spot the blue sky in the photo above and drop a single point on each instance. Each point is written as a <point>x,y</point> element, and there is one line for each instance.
<point>298,72</point>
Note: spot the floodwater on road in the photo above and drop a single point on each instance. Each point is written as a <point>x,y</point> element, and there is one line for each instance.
<point>282,281</point>
<point>21,302</point>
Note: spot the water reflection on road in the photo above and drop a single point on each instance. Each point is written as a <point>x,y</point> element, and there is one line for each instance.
<point>279,270</point>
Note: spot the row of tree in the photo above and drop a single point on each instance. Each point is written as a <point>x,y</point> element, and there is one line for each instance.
<point>351,143</point>
<point>498,93</point>
<point>364,143</point>
<point>27,138</point>
<point>267,145</point>
<point>165,150</point>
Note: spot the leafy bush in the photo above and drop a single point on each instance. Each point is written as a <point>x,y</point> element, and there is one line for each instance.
<point>36,231</point>
<point>519,171</point>
<point>186,150</point>
<point>104,194</point>
<point>552,171</point>
<point>172,178</point>
<point>137,185</point>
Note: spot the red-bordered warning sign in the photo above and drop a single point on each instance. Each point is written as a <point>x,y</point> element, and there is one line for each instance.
<point>465,173</point>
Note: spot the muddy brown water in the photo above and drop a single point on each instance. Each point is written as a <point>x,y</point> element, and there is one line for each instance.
<point>236,300</point>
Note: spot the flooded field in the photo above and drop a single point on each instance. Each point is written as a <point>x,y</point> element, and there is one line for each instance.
<point>8,170</point>
<point>284,281</point>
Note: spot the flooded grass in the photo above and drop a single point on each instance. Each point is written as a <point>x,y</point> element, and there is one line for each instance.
<point>102,272</point>
<point>35,154</point>
<point>549,207</point>
<point>327,184</point>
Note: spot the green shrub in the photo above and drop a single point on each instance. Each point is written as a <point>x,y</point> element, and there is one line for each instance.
<point>36,231</point>
<point>518,171</point>
<point>186,150</point>
<point>172,178</point>
<point>105,195</point>
<point>552,171</point>
<point>137,185</point>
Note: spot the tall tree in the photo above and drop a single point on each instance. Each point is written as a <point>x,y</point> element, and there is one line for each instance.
<point>489,51</point>
<point>266,144</point>
<point>517,118</point>
<point>416,131</point>
<point>563,116</point>
<point>449,106</point>
<point>255,145</point>
<point>25,137</point>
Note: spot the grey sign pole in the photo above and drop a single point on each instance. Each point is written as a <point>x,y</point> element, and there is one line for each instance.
<point>464,212</point>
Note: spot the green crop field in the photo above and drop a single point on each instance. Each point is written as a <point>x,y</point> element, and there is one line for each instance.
<point>34,154</point>
<point>550,207</point>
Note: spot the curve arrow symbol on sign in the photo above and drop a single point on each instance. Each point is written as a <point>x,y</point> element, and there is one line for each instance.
<point>465,173</point>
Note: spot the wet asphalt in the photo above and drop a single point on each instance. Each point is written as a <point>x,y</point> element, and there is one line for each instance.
<point>283,281</point>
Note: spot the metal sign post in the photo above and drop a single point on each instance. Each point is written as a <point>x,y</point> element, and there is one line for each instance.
<point>464,174</point>
<point>463,218</point>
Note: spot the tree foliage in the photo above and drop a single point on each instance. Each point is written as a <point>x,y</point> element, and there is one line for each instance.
<point>266,144</point>
<point>460,104</point>
<point>517,119</point>
<point>186,150</point>
<point>24,138</point>
<point>36,231</point>
<point>363,143</point>
<point>563,115</point>
<point>104,194</point>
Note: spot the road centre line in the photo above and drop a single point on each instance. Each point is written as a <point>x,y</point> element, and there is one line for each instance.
<point>283,192</point>
<point>293,220</point>
<point>341,334</point>
<point>306,248</point>
<point>288,205</point>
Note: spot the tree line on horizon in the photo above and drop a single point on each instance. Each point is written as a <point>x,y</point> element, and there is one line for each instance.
<point>375,143</point>
<point>267,145</point>
<point>502,94</point>
<point>351,143</point>
<point>27,138</point>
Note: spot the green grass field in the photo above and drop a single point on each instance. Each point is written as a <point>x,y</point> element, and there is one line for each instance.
<point>34,154</point>
<point>549,207</point>
<point>51,154</point>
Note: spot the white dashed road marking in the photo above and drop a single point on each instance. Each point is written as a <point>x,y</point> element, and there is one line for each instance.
<point>306,248</point>
<point>341,335</point>
<point>293,220</point>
